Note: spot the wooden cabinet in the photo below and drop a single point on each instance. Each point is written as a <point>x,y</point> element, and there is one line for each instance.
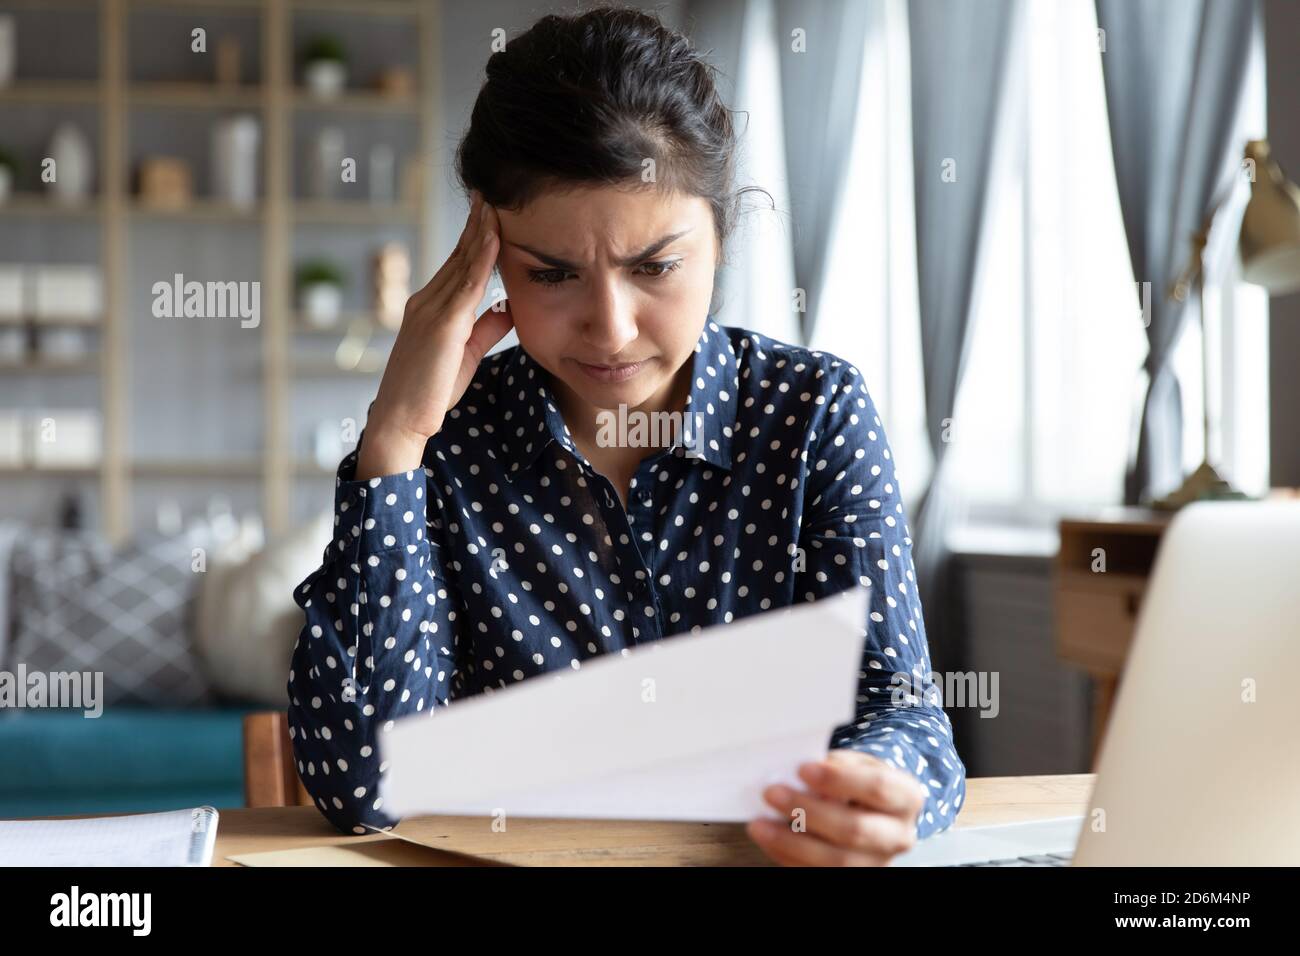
<point>1100,576</point>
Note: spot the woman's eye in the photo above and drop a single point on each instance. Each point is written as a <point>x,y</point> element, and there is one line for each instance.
<point>664,267</point>
<point>555,277</point>
<point>547,276</point>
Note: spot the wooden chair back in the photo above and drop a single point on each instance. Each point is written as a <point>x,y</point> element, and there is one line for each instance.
<point>270,775</point>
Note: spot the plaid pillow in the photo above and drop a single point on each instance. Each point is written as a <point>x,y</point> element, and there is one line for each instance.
<point>78,605</point>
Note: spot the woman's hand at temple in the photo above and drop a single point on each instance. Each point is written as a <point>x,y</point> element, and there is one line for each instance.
<point>857,811</point>
<point>438,347</point>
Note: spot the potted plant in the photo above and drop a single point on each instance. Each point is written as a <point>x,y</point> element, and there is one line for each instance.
<point>320,293</point>
<point>8,173</point>
<point>325,67</point>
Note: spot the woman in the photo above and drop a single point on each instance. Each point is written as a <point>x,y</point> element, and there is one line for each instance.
<point>489,530</point>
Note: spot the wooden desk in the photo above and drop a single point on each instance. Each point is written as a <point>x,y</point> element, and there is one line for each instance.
<point>617,842</point>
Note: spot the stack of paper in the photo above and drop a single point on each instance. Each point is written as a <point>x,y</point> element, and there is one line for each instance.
<point>692,727</point>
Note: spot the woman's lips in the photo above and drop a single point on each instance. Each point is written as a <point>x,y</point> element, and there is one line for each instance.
<point>610,374</point>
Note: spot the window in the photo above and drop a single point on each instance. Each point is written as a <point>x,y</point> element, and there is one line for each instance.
<point>1051,383</point>
<point>869,312</point>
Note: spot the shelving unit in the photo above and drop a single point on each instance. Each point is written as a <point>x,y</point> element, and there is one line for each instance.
<point>29,205</point>
<point>278,103</point>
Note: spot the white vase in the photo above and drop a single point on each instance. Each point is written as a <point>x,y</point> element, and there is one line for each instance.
<point>72,164</point>
<point>325,78</point>
<point>8,49</point>
<point>321,303</point>
<point>234,160</point>
<point>327,163</point>
<point>383,178</point>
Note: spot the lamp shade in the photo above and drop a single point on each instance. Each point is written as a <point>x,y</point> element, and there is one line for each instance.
<point>1270,227</point>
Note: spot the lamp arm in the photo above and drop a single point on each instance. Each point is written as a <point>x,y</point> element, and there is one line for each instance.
<point>1196,259</point>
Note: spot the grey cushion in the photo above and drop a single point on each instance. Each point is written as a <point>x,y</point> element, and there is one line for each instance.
<point>78,605</point>
<point>10,533</point>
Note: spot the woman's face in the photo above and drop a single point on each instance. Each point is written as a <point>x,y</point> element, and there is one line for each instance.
<point>609,291</point>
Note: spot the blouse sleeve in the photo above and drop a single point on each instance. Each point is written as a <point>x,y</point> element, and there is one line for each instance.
<point>379,642</point>
<point>855,532</point>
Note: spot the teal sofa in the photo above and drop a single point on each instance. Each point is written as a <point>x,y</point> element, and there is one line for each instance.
<point>126,760</point>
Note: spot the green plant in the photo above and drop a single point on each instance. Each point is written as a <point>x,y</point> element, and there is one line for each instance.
<point>320,271</point>
<point>325,47</point>
<point>9,160</point>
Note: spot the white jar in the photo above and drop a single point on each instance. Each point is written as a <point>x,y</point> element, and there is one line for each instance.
<point>73,164</point>
<point>321,304</point>
<point>234,160</point>
<point>325,78</point>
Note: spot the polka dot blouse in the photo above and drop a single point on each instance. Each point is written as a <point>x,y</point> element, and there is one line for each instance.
<point>507,556</point>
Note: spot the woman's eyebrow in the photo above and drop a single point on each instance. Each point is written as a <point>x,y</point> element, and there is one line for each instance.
<point>557,263</point>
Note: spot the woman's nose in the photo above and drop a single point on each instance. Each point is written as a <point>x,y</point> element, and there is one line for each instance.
<point>611,323</point>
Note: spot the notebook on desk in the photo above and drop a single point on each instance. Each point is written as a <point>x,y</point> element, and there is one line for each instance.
<point>170,838</point>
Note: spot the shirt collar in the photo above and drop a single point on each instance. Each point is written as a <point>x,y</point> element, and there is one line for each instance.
<point>532,420</point>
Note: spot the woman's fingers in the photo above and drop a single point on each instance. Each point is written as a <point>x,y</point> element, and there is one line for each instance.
<point>842,825</point>
<point>471,221</point>
<point>490,329</point>
<point>452,265</point>
<point>478,260</point>
<point>859,778</point>
<point>789,848</point>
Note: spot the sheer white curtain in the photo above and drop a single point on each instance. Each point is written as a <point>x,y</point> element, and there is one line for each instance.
<point>1237,316</point>
<point>868,311</point>
<point>1049,387</point>
<point>1046,400</point>
<point>757,285</point>
<point>1048,394</point>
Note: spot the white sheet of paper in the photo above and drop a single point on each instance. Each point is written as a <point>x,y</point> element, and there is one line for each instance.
<point>690,727</point>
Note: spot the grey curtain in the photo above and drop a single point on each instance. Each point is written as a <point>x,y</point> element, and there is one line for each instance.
<point>959,54</point>
<point>819,88</point>
<point>1174,71</point>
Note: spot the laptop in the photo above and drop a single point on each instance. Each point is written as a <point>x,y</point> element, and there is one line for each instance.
<point>1200,762</point>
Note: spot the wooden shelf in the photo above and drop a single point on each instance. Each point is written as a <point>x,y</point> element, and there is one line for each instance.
<point>236,6</point>
<point>346,321</point>
<point>85,5</point>
<point>330,370</point>
<point>356,101</point>
<point>202,210</point>
<point>36,204</point>
<point>197,468</point>
<point>158,469</point>
<point>84,366</point>
<point>243,468</point>
<point>201,96</point>
<point>52,471</point>
<point>49,321</point>
<point>354,211</point>
<point>379,8</point>
<point>51,91</point>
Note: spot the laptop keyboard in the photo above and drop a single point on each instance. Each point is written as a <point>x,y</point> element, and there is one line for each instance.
<point>1044,859</point>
